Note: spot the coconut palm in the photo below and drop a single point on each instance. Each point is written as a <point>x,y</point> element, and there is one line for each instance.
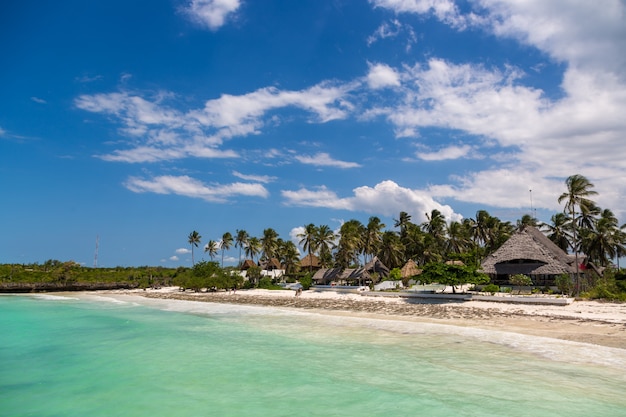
<point>288,255</point>
<point>241,240</point>
<point>307,240</point>
<point>269,243</point>
<point>391,250</point>
<point>372,238</point>
<point>253,247</point>
<point>403,221</point>
<point>350,242</point>
<point>559,230</point>
<point>193,239</point>
<point>211,249</point>
<point>227,241</point>
<point>325,243</point>
<point>599,242</point>
<point>458,238</point>
<point>578,190</point>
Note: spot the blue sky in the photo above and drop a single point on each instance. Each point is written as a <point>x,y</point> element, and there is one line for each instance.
<point>139,122</point>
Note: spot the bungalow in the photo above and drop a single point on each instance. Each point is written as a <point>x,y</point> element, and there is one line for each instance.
<point>369,273</point>
<point>271,268</point>
<point>528,251</point>
<point>311,262</point>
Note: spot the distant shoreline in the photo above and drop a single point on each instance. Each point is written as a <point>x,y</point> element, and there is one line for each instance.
<point>583,321</point>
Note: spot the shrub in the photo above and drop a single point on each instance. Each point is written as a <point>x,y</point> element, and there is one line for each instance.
<point>306,281</point>
<point>564,283</point>
<point>491,288</point>
<point>521,280</point>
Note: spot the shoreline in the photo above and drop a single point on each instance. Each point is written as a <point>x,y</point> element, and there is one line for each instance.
<point>590,322</point>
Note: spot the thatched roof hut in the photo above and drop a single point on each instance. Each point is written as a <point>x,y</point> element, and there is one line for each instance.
<point>270,264</point>
<point>528,252</point>
<point>247,264</point>
<point>311,261</point>
<point>410,269</point>
<point>370,272</point>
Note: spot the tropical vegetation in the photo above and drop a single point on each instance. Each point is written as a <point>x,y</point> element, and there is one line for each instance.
<point>591,233</point>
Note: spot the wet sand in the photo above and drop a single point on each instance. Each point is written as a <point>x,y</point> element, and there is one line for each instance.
<point>582,321</point>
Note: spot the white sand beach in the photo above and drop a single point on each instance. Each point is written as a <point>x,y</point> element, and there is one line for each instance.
<point>581,321</point>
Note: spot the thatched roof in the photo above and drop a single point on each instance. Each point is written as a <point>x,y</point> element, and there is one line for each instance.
<point>410,269</point>
<point>310,261</point>
<point>366,272</point>
<point>247,264</point>
<point>528,252</point>
<point>270,264</point>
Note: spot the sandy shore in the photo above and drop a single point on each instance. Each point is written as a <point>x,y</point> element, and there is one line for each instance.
<point>582,321</point>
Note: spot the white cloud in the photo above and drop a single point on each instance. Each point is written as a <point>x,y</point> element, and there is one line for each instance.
<point>384,31</point>
<point>381,75</point>
<point>324,159</point>
<point>38,100</point>
<point>444,10</point>
<point>158,131</point>
<point>386,198</point>
<point>190,187</point>
<point>182,251</point>
<point>256,178</point>
<point>545,139</point>
<point>212,14</point>
<point>2,132</point>
<point>450,152</point>
<point>173,258</point>
<point>153,154</point>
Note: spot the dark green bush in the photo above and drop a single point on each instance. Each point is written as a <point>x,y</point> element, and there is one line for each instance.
<point>492,288</point>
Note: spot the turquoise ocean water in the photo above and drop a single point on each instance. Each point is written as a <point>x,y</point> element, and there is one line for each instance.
<point>90,355</point>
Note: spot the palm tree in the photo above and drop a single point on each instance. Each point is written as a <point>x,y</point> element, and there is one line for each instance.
<point>350,242</point>
<point>288,255</point>
<point>435,227</point>
<point>269,243</point>
<point>211,249</point>
<point>599,242</point>
<point>372,238</point>
<point>241,240</point>
<point>458,238</point>
<point>325,243</point>
<point>391,250</point>
<point>227,241</point>
<point>403,221</point>
<point>578,191</point>
<point>558,231</point>
<point>253,247</point>
<point>307,240</point>
<point>194,239</point>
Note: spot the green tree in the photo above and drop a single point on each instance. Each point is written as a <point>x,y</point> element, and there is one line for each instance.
<point>391,250</point>
<point>451,275</point>
<point>558,230</point>
<point>325,243</point>
<point>288,255</point>
<point>194,239</point>
<point>372,238</point>
<point>253,247</point>
<point>520,280</point>
<point>227,241</point>
<point>269,243</point>
<point>211,249</point>
<point>308,241</point>
<point>579,189</point>
<point>241,240</point>
<point>350,243</point>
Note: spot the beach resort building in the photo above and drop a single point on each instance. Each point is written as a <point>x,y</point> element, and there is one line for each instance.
<point>372,272</point>
<point>528,251</point>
